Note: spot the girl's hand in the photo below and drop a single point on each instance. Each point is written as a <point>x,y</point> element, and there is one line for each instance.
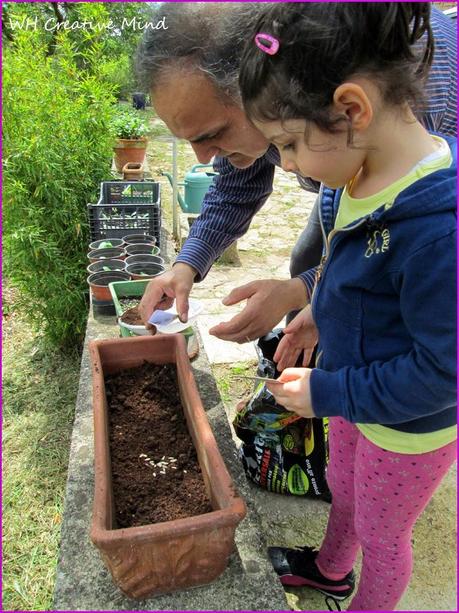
<point>300,335</point>
<point>293,391</point>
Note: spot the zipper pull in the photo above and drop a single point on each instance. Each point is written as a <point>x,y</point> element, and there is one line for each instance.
<point>323,259</point>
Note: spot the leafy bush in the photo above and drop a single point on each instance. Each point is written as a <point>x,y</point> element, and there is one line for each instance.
<point>128,124</point>
<point>119,74</point>
<point>57,148</point>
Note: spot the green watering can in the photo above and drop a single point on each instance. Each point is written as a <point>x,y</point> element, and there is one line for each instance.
<point>196,186</point>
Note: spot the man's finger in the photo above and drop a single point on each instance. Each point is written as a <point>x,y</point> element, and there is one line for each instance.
<point>233,330</point>
<point>239,293</point>
<point>182,306</point>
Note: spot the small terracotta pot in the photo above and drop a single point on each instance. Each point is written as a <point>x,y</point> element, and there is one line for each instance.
<point>136,239</point>
<point>112,253</point>
<point>129,150</point>
<point>98,282</point>
<point>106,266</point>
<point>173,555</point>
<point>133,171</point>
<point>142,248</point>
<point>107,243</point>
<point>144,259</point>
<point>144,271</point>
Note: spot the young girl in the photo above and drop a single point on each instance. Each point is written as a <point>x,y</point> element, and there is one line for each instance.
<point>333,86</point>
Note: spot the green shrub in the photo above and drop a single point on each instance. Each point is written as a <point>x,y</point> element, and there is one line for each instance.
<point>119,73</point>
<point>57,148</point>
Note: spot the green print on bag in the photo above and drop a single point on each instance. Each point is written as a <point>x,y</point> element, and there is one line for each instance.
<point>298,483</point>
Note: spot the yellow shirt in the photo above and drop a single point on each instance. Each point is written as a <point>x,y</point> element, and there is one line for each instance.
<point>351,209</point>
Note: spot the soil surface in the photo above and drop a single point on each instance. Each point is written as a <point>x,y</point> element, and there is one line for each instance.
<point>132,317</point>
<point>129,302</point>
<point>156,475</point>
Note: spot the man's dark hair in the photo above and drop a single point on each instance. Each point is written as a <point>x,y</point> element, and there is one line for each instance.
<point>323,44</point>
<point>206,37</point>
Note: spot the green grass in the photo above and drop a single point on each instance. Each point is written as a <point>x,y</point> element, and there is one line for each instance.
<point>232,390</point>
<point>39,393</point>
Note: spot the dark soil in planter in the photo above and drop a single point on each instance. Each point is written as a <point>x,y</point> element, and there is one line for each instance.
<point>156,474</point>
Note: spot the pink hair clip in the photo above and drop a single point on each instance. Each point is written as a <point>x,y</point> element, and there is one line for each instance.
<point>261,40</point>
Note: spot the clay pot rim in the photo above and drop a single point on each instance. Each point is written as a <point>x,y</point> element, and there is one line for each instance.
<point>220,518</point>
<point>135,245</point>
<point>93,253</point>
<point>108,272</point>
<point>105,261</point>
<point>147,261</point>
<point>103,240</point>
<point>121,143</point>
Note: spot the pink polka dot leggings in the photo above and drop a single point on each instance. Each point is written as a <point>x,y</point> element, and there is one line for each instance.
<point>377,497</point>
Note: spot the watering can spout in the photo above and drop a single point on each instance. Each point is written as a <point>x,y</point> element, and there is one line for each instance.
<point>179,196</point>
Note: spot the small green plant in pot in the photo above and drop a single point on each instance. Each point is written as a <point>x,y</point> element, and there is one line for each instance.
<point>130,131</point>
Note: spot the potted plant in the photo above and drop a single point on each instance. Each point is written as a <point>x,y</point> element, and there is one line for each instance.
<point>144,258</point>
<point>109,253</point>
<point>145,270</point>
<point>106,265</point>
<point>130,130</point>
<point>99,283</point>
<point>142,249</point>
<point>173,554</point>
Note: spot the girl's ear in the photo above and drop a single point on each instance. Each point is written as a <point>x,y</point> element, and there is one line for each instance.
<point>351,100</point>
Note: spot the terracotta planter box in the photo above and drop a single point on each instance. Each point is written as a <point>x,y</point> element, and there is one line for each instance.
<point>173,555</point>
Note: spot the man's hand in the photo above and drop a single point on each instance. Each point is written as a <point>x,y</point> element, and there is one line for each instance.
<point>294,392</point>
<point>161,291</point>
<point>300,335</point>
<point>268,301</point>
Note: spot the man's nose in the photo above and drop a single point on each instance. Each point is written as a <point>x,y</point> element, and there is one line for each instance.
<point>204,153</point>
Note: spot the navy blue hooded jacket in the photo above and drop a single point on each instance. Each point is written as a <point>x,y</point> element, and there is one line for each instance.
<point>385,307</point>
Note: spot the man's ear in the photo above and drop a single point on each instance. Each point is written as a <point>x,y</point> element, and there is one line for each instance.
<point>351,99</point>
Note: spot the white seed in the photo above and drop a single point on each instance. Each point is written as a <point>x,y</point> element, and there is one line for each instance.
<point>184,471</point>
<point>142,455</point>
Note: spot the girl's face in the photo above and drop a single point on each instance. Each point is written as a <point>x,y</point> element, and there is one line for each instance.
<point>316,154</point>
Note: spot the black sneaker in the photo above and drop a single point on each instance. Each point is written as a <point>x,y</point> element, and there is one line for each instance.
<point>296,567</point>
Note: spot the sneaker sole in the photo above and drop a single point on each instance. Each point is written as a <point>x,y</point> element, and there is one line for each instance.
<point>297,581</point>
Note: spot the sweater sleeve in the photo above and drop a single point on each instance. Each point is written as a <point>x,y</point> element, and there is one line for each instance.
<point>421,382</point>
<point>227,210</point>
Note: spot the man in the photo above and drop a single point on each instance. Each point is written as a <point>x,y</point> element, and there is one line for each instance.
<point>191,70</point>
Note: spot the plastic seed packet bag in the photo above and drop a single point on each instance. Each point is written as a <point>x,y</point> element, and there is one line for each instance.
<point>262,413</point>
<point>281,451</point>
